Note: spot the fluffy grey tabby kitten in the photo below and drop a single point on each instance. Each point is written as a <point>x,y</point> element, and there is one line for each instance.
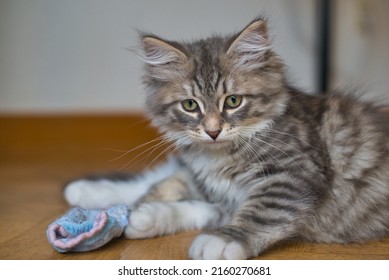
<point>257,161</point>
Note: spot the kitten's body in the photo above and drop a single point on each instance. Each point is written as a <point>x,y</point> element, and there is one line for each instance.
<point>258,162</point>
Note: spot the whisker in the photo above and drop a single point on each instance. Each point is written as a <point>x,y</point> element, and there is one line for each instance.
<point>168,139</point>
<point>113,150</point>
<point>250,148</point>
<point>143,152</point>
<point>137,123</point>
<point>172,146</point>
<point>295,137</point>
<point>283,152</point>
<point>291,146</point>
<point>275,147</point>
<point>256,145</point>
<point>171,138</point>
<point>136,148</point>
<point>154,149</point>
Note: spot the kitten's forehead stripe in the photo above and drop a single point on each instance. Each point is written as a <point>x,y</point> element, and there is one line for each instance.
<point>218,78</point>
<point>198,82</point>
<point>210,83</point>
<point>207,71</point>
<point>189,89</point>
<point>193,92</point>
<point>224,87</point>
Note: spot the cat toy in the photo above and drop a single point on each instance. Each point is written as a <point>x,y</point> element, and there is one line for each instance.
<point>81,230</point>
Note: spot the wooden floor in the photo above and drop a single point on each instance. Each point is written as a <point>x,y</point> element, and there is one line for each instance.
<point>39,154</point>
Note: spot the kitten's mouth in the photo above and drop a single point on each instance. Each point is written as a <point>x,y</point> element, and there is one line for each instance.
<point>215,143</point>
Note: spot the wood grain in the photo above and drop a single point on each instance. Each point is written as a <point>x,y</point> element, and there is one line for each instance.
<point>39,154</point>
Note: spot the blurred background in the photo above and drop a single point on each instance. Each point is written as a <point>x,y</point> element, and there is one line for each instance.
<point>71,99</point>
<point>72,56</point>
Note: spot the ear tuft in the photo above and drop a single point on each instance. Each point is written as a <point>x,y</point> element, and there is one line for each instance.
<point>163,59</point>
<point>250,46</point>
<point>159,52</point>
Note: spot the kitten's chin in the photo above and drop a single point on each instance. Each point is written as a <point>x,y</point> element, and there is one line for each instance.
<point>214,145</point>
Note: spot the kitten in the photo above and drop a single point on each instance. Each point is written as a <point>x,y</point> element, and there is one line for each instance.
<point>257,161</point>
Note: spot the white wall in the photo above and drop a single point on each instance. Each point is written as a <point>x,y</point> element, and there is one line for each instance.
<point>69,56</point>
<point>361,48</point>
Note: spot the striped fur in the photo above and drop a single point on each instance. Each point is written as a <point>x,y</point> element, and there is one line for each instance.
<point>283,164</point>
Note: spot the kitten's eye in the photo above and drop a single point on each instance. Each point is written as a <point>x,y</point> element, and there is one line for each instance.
<point>190,105</point>
<point>233,101</point>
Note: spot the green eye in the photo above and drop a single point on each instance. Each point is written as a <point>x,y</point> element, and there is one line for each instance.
<point>233,101</point>
<point>189,105</point>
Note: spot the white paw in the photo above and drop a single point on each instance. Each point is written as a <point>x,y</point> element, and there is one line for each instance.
<point>87,194</point>
<point>143,222</point>
<point>212,247</point>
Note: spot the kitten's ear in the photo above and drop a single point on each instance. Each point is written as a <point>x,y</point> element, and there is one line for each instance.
<point>162,58</point>
<point>249,47</point>
<point>159,52</point>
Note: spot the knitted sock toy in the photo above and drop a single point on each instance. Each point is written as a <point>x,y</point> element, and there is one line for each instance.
<point>81,230</point>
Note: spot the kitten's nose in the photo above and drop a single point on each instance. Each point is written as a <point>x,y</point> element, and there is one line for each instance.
<point>213,134</point>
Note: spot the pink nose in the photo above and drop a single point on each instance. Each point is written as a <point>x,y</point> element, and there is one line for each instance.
<point>213,134</point>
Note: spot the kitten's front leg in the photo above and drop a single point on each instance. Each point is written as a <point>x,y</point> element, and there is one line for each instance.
<point>152,219</point>
<point>108,191</point>
<point>266,217</point>
<point>240,240</point>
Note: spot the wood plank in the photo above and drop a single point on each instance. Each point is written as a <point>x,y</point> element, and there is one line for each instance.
<point>38,154</point>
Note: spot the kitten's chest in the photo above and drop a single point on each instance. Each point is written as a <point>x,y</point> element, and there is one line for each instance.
<point>215,180</point>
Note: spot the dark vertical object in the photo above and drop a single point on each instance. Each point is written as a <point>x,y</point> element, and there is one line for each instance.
<point>324,37</point>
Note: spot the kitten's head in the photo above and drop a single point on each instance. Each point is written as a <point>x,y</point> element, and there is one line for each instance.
<point>213,92</point>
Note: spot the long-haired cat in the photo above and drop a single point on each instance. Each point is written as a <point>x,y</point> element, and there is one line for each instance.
<point>257,161</point>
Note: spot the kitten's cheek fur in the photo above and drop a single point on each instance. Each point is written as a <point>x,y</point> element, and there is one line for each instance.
<point>212,247</point>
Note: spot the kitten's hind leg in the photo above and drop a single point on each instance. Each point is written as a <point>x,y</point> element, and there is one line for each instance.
<point>105,192</point>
